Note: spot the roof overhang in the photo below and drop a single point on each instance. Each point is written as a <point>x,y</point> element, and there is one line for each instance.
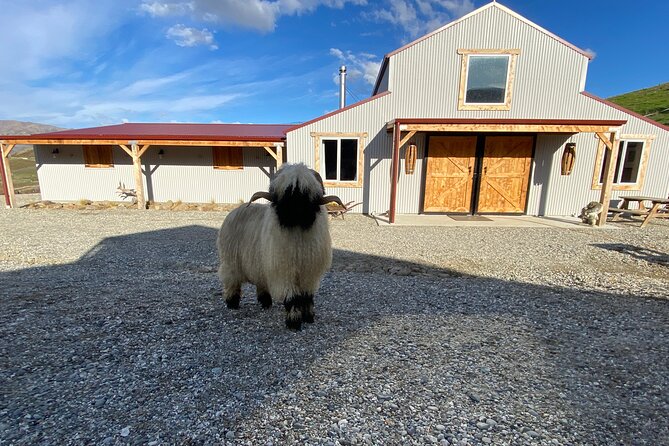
<point>139,141</point>
<point>505,125</point>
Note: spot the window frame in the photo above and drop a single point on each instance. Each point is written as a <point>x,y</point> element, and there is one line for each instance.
<point>319,155</point>
<point>464,76</point>
<point>97,147</point>
<point>646,140</point>
<point>236,154</point>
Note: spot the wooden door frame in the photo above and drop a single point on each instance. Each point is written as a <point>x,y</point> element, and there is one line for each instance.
<point>478,168</point>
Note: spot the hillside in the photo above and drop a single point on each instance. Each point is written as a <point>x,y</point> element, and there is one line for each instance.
<point>651,102</point>
<point>22,158</point>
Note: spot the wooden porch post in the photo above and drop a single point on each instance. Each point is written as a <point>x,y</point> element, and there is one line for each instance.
<point>136,154</point>
<point>278,155</point>
<point>612,143</point>
<point>5,170</point>
<point>395,172</point>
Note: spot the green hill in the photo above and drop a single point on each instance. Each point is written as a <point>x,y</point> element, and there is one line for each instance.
<point>651,102</point>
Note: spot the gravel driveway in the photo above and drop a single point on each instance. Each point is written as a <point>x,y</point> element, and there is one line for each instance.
<point>113,331</point>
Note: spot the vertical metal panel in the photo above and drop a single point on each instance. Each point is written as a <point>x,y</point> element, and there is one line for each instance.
<point>184,173</point>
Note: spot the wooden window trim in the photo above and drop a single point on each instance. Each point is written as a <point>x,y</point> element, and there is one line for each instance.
<point>235,158</point>
<point>643,163</point>
<point>89,157</point>
<point>361,137</point>
<point>511,76</point>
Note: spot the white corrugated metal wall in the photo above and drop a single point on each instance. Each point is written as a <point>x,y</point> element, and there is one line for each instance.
<point>424,80</point>
<point>184,173</point>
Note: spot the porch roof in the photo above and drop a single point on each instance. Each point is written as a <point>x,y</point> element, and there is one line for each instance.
<point>504,125</point>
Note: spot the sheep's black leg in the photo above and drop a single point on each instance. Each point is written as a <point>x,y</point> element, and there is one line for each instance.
<point>232,295</point>
<point>264,298</point>
<point>293,305</point>
<point>308,308</point>
<point>232,302</point>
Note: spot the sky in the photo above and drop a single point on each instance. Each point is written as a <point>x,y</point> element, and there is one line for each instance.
<point>85,63</point>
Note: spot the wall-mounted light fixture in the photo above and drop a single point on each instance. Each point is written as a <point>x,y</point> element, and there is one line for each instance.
<point>55,152</point>
<point>568,158</point>
<point>161,152</point>
<point>410,159</point>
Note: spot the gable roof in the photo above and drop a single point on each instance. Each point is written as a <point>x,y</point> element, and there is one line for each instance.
<point>384,64</point>
<point>169,132</point>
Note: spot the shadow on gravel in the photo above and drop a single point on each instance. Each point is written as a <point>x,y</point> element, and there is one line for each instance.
<point>133,335</point>
<point>638,252</point>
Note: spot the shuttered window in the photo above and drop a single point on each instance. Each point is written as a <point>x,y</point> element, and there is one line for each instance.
<point>98,156</point>
<point>228,158</point>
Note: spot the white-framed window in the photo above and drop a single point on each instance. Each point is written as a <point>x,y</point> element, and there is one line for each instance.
<point>486,79</point>
<point>630,166</point>
<point>339,158</point>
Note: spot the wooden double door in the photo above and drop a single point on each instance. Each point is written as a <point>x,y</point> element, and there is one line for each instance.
<point>478,173</point>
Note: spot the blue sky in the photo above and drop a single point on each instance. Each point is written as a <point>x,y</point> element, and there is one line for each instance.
<point>83,63</point>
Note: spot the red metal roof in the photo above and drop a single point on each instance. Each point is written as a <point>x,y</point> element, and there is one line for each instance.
<point>181,132</point>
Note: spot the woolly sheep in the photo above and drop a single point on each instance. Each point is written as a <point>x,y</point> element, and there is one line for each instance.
<point>283,248</point>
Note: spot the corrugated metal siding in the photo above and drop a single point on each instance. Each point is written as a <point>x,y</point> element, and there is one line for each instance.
<point>184,173</point>
<point>424,80</point>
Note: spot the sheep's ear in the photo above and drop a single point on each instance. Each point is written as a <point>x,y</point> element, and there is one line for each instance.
<point>331,198</point>
<point>260,194</point>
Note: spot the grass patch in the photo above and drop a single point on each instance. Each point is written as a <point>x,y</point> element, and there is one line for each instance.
<point>24,172</point>
<point>650,102</point>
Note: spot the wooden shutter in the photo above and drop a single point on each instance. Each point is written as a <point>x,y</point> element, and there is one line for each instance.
<point>228,158</point>
<point>98,156</point>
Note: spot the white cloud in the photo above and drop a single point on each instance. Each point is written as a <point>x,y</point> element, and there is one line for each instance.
<point>363,66</point>
<point>157,9</point>
<point>590,52</point>
<point>189,37</point>
<point>418,17</point>
<point>259,15</point>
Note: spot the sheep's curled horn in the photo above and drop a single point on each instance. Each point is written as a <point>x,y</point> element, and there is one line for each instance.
<point>325,200</point>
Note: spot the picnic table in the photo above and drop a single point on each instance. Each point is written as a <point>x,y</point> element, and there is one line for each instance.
<point>657,209</point>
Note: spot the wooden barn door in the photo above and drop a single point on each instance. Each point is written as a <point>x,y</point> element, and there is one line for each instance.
<point>449,174</point>
<point>505,174</point>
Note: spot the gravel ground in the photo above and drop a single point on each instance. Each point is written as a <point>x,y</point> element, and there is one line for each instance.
<point>113,331</point>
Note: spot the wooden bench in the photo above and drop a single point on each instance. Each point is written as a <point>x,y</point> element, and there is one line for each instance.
<point>657,209</point>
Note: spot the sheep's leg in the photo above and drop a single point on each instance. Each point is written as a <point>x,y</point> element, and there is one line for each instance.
<point>293,305</point>
<point>232,295</point>
<point>264,297</point>
<point>308,308</point>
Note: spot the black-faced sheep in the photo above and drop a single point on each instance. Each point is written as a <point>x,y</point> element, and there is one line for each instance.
<point>283,248</point>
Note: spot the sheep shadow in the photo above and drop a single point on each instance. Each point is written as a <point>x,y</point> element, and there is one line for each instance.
<point>638,252</point>
<point>135,334</point>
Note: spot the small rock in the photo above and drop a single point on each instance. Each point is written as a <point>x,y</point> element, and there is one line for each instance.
<point>440,427</point>
<point>217,371</point>
<point>125,431</point>
<point>230,435</point>
<point>532,434</point>
<point>481,425</point>
<point>486,440</point>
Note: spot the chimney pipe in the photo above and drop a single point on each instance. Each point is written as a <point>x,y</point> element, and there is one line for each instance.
<point>342,86</point>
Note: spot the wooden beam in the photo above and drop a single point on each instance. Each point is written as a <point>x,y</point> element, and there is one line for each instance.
<point>407,137</point>
<point>279,155</point>
<point>139,183</point>
<point>150,142</point>
<point>395,173</point>
<point>126,149</point>
<point>609,169</point>
<point>271,152</point>
<point>604,139</point>
<point>143,149</point>
<point>8,183</point>
<point>528,128</point>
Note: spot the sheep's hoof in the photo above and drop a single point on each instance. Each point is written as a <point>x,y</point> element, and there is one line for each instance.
<point>232,302</point>
<point>265,300</point>
<point>294,324</point>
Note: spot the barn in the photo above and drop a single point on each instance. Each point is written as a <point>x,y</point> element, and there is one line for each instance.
<point>487,114</point>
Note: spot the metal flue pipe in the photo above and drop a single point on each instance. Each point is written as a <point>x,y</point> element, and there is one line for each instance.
<point>342,86</point>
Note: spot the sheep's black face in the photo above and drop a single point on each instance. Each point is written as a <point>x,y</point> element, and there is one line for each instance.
<point>296,208</point>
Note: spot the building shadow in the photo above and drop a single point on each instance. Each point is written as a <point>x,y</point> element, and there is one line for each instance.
<point>638,252</point>
<point>135,334</point>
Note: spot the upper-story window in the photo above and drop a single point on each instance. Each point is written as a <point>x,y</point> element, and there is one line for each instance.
<point>486,79</point>
<point>339,158</point>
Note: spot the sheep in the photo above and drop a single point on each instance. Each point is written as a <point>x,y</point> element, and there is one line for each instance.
<point>283,248</point>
